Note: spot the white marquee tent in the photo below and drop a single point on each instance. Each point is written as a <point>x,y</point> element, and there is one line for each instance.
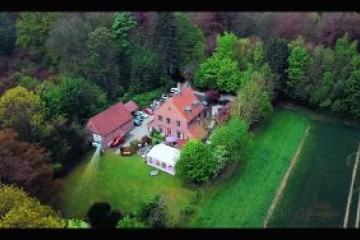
<point>163,157</point>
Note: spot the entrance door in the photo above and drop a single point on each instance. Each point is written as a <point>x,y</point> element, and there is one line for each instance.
<point>168,132</point>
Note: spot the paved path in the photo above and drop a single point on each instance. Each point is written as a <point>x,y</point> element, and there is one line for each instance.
<point>137,133</point>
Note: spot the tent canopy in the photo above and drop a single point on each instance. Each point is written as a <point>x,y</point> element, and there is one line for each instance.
<point>165,154</point>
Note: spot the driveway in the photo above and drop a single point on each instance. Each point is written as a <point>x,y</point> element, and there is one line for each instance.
<point>137,133</point>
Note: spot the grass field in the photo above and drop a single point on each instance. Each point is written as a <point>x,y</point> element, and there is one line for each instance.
<point>317,190</point>
<point>243,199</point>
<point>124,182</point>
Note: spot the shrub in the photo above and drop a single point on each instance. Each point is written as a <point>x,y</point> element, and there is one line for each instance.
<point>153,214</point>
<point>130,222</point>
<point>76,223</point>
<point>101,216</point>
<point>196,163</point>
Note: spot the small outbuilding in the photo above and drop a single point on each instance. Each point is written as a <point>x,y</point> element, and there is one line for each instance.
<point>163,157</point>
<point>103,128</point>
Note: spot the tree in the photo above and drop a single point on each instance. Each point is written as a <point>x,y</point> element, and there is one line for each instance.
<point>220,70</point>
<point>25,165</point>
<point>190,40</point>
<point>144,69</point>
<point>253,101</point>
<point>7,33</point>
<point>352,85</point>
<point>124,24</point>
<point>74,98</point>
<point>101,61</point>
<point>225,45</point>
<point>196,163</point>
<point>66,44</point>
<point>164,42</point>
<point>298,77</point>
<point>101,215</point>
<point>276,53</point>
<point>233,136</point>
<point>19,210</point>
<point>23,111</point>
<point>33,29</point>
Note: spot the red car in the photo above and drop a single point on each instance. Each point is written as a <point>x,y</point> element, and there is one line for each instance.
<point>117,141</point>
<point>148,111</point>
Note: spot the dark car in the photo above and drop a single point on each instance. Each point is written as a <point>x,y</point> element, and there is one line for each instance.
<point>212,96</point>
<point>117,141</point>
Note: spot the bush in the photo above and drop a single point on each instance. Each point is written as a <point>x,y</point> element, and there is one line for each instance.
<point>153,214</point>
<point>130,222</point>
<point>101,216</point>
<point>196,163</point>
<point>76,223</point>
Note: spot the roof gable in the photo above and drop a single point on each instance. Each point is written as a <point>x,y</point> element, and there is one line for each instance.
<point>131,106</point>
<point>186,99</point>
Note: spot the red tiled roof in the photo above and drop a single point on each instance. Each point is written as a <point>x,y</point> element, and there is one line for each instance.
<point>110,119</point>
<point>186,99</point>
<point>131,106</point>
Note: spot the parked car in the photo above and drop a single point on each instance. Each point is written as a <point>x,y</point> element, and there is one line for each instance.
<point>164,96</point>
<point>155,104</point>
<point>117,141</point>
<point>142,115</point>
<point>137,121</point>
<point>174,90</point>
<point>148,111</point>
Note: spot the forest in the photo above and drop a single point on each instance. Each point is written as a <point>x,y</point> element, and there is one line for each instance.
<point>59,69</point>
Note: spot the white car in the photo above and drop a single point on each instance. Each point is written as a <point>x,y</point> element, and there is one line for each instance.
<point>164,96</point>
<point>142,114</point>
<point>174,90</point>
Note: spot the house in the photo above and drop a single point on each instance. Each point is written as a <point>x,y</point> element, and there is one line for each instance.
<point>180,116</point>
<point>131,107</point>
<point>108,124</point>
<point>163,157</point>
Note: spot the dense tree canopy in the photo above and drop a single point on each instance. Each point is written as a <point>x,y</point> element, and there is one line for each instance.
<point>23,111</point>
<point>25,165</point>
<point>19,210</point>
<point>7,33</point>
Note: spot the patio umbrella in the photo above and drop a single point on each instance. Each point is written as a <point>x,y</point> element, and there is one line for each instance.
<point>171,139</point>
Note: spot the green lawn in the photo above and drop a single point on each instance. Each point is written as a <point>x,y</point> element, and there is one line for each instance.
<point>124,182</point>
<point>321,177</point>
<point>243,199</point>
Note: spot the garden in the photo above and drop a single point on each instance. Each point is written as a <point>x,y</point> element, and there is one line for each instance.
<point>125,183</point>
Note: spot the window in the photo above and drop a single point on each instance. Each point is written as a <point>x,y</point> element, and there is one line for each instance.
<point>160,130</point>
<point>178,134</point>
<point>178,123</point>
<point>163,165</point>
<point>168,120</point>
<point>160,118</point>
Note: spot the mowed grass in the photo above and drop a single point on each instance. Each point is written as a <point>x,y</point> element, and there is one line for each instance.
<point>317,190</point>
<point>124,182</point>
<point>244,199</point>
